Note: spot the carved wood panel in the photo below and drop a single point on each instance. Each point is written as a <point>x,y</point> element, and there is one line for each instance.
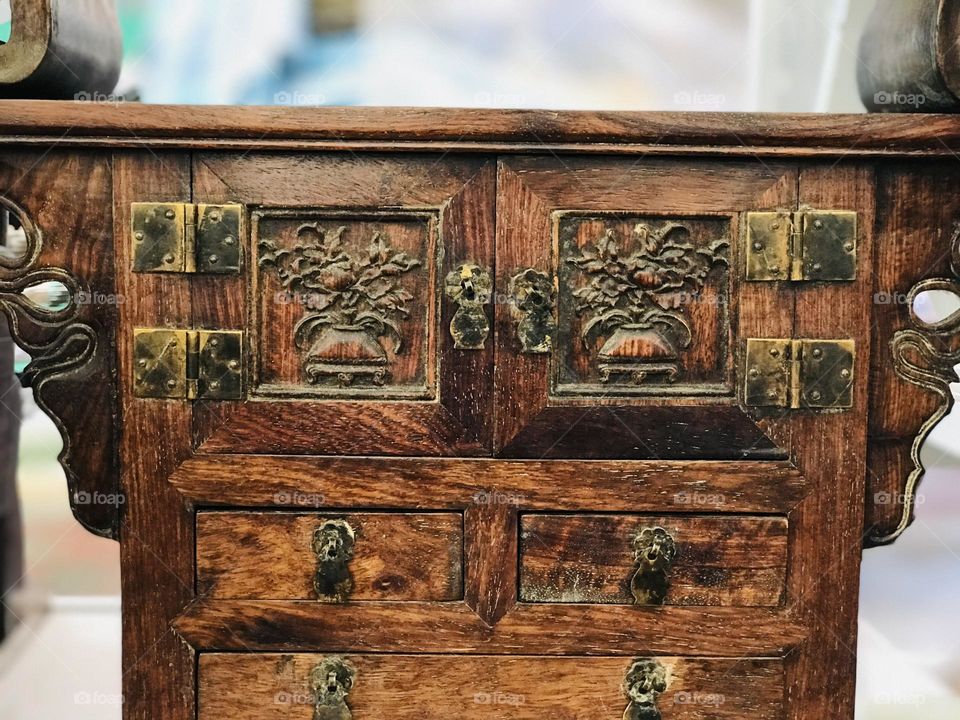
<point>346,304</point>
<point>643,305</point>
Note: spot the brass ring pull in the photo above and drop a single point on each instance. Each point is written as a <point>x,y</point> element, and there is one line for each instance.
<point>331,681</point>
<point>533,295</point>
<point>469,286</point>
<point>645,681</point>
<point>654,550</point>
<point>333,545</point>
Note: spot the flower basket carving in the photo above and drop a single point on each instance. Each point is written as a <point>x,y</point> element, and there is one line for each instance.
<point>633,296</point>
<point>353,302</point>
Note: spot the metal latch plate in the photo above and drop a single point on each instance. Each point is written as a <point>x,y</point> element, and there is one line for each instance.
<point>768,246</point>
<point>188,364</point>
<point>186,238</point>
<point>806,246</point>
<point>800,374</point>
<point>159,237</point>
<point>160,363</point>
<point>829,246</point>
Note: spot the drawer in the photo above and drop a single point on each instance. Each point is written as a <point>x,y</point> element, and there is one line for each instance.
<point>650,560</point>
<point>425,687</point>
<point>335,558</point>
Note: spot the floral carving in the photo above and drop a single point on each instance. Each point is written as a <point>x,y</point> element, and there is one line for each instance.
<point>353,301</point>
<point>633,293</point>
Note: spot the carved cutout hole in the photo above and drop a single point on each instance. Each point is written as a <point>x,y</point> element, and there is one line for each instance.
<point>936,306</point>
<point>13,237</point>
<point>52,296</point>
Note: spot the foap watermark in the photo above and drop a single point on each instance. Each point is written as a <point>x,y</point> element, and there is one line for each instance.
<point>499,698</point>
<point>83,497</point>
<point>299,499</point>
<point>900,698</point>
<point>697,498</point>
<point>895,98</point>
<point>891,298</point>
<point>487,98</point>
<point>294,698</point>
<point>100,98</point>
<point>698,698</point>
<point>97,698</point>
<point>84,297</point>
<point>698,99</point>
<point>495,497</point>
<point>299,98</point>
<point>897,498</point>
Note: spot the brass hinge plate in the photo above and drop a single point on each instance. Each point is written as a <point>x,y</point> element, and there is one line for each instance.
<point>800,374</point>
<point>805,246</point>
<point>186,238</point>
<point>188,364</point>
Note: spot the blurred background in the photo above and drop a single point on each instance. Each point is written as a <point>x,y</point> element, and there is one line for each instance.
<point>63,639</point>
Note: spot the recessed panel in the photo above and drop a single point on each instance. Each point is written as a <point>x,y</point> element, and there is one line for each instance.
<point>346,304</point>
<point>643,305</point>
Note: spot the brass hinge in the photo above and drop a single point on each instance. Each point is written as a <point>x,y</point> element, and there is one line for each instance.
<point>810,245</point>
<point>186,238</point>
<point>800,374</point>
<point>188,364</point>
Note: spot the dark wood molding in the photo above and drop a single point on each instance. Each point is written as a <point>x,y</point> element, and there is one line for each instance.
<point>440,129</point>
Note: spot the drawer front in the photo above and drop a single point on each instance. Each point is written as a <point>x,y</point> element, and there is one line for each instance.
<point>649,560</point>
<point>426,687</point>
<point>330,557</point>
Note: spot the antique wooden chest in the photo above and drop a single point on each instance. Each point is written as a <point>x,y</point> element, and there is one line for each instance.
<point>433,413</point>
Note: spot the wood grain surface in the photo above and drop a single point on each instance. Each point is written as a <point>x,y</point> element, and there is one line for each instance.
<point>270,556</point>
<point>424,687</point>
<point>737,561</point>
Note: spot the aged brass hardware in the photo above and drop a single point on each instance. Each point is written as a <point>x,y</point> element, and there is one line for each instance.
<point>331,681</point>
<point>333,545</point>
<point>655,550</point>
<point>810,245</point>
<point>469,286</point>
<point>800,374</point>
<point>644,682</point>
<point>533,295</point>
<point>188,364</point>
<point>186,238</point>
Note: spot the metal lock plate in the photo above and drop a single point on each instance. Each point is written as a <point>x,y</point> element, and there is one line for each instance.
<point>806,246</point>
<point>186,238</point>
<point>769,364</point>
<point>160,363</point>
<point>188,364</point>
<point>220,365</point>
<point>768,246</point>
<point>826,374</point>
<point>807,374</point>
<point>829,241</point>
<point>159,237</point>
<point>219,230</point>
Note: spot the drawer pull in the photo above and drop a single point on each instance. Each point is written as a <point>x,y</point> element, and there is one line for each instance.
<point>644,682</point>
<point>533,296</point>
<point>654,550</point>
<point>469,286</point>
<point>332,680</point>
<point>333,545</point>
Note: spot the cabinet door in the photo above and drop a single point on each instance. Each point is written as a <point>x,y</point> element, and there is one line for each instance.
<point>626,306</point>
<point>364,299</point>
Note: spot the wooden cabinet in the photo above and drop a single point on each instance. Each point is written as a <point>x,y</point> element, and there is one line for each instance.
<point>485,414</point>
